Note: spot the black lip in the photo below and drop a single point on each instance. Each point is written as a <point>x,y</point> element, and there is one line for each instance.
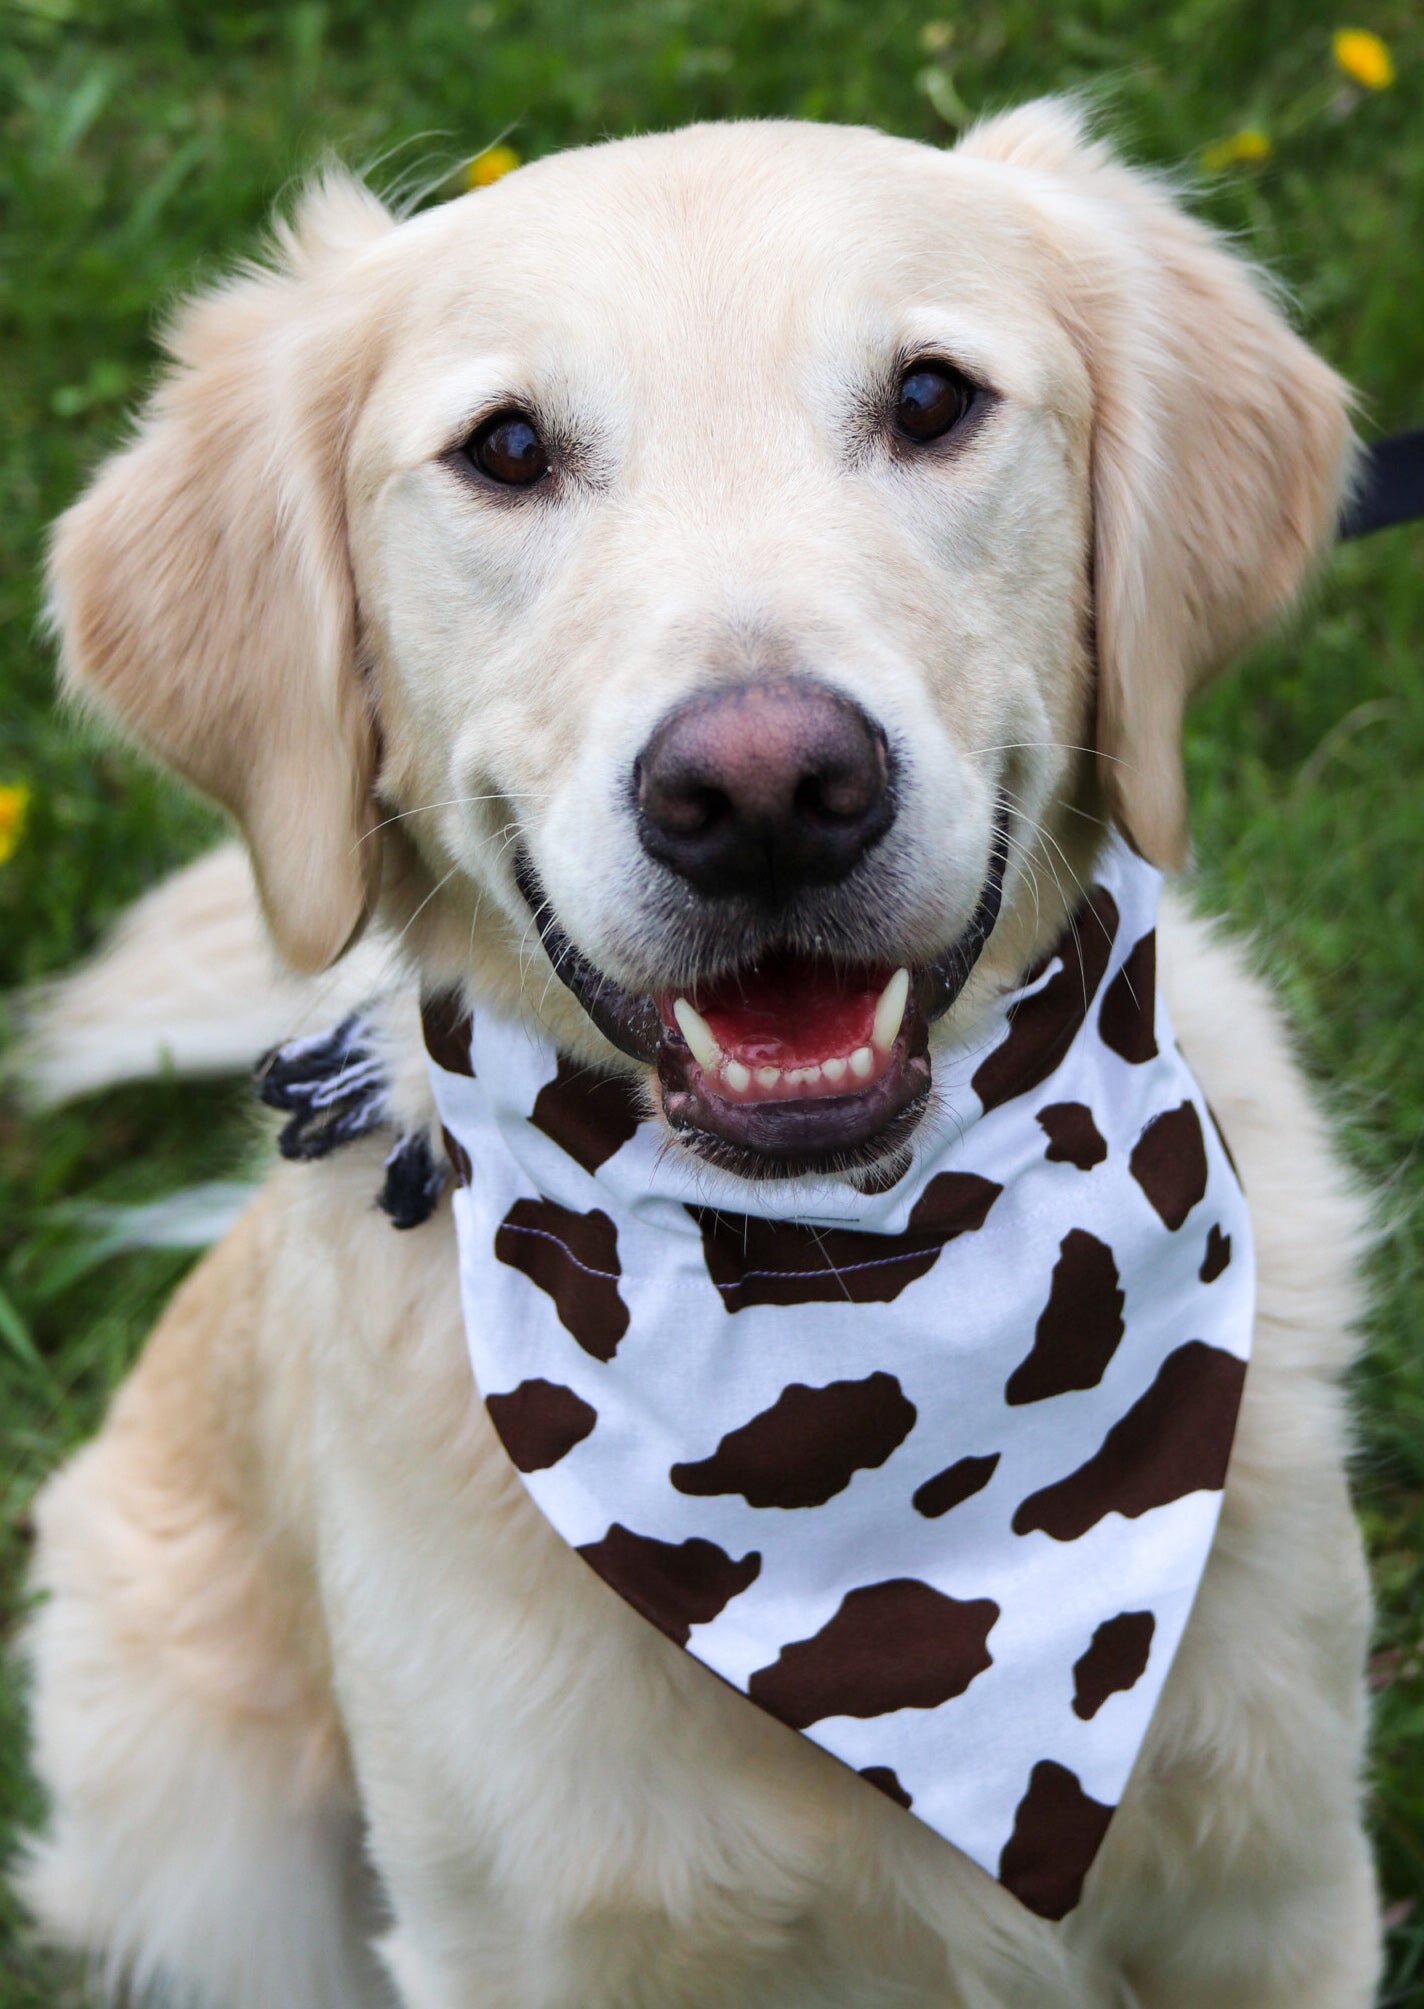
<point>780,1139</point>
<point>629,1020</point>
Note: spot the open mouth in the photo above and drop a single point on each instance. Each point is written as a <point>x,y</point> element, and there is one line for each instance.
<point>794,1064</point>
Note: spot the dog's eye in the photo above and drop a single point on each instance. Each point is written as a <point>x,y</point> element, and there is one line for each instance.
<point>509,450</point>
<point>931,400</point>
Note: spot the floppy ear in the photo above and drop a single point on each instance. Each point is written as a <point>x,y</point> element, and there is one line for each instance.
<point>201,587</point>
<point>1221,449</point>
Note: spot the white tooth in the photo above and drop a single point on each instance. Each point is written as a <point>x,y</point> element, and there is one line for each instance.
<point>890,1011</point>
<point>698,1034</point>
<point>862,1063</point>
<point>834,1070</point>
<point>737,1077</point>
<point>805,1077</point>
<point>767,1077</point>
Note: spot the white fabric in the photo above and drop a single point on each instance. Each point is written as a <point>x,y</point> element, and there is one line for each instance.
<point>690,1371</point>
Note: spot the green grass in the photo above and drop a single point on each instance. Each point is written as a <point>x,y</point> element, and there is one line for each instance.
<point>142,143</point>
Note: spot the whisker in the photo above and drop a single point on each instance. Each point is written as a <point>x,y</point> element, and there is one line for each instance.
<point>452,802</point>
<point>439,886</point>
<point>1084,902</point>
<point>1046,836</point>
<point>1040,833</point>
<point>1058,745</point>
<point>816,1238</point>
<point>1027,860</point>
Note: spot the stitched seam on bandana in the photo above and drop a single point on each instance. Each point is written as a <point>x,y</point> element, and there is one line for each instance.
<point>616,1276</point>
<point>543,1235</point>
<point>843,1269</point>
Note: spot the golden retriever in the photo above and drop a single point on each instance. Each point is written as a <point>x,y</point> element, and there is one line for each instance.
<point>430,527</point>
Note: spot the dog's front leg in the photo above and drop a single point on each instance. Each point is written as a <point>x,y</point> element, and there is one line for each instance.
<point>566,1811</point>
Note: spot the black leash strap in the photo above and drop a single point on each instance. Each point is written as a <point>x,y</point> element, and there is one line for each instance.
<point>1390,485</point>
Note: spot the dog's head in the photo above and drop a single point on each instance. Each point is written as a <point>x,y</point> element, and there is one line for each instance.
<point>737,573</point>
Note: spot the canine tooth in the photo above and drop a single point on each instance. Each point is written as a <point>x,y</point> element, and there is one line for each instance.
<point>737,1077</point>
<point>890,1011</point>
<point>834,1070</point>
<point>767,1077</point>
<point>698,1034</point>
<point>862,1063</point>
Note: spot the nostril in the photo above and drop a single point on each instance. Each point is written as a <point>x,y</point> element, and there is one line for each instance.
<point>840,796</point>
<point>820,798</point>
<point>680,805</point>
<point>692,811</point>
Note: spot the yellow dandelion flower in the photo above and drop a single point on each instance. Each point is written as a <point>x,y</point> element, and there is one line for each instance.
<point>1364,58</point>
<point>488,166</point>
<point>1250,145</point>
<point>14,803</point>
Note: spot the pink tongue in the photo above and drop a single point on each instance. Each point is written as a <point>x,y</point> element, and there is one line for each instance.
<point>791,1013</point>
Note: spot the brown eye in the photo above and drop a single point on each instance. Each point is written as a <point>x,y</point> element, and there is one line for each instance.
<point>509,450</point>
<point>931,400</point>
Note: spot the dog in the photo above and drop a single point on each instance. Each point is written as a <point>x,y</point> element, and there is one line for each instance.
<point>738,549</point>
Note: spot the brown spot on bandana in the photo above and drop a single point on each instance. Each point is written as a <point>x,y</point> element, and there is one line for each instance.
<point>953,1203</point>
<point>459,1157</point>
<point>1057,1832</point>
<point>448,1028</point>
<point>1126,1022</point>
<point>539,1422</point>
<point>1073,1137</point>
<point>1043,1026</point>
<point>1080,1327</point>
<point>1175,1440</point>
<point>807,1446</point>
<point>574,1259</point>
<point>1218,1254</point>
<point>754,1261</point>
<point>1169,1163</point>
<point>883,1778</point>
<point>675,1585</point>
<point>895,1645</point>
<point>1115,1661</point>
<point>587,1113</point>
<point>956,1483</point>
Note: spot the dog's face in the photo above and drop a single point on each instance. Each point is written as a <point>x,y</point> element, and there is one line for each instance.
<point>714,557</point>
<point>724,578</point>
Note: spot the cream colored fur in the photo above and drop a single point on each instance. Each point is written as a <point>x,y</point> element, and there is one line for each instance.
<point>299,1611</point>
<point>188,981</point>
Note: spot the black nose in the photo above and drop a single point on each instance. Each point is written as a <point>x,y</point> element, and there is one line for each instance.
<point>765,787</point>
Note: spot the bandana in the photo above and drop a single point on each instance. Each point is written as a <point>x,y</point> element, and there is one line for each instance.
<point>932,1474</point>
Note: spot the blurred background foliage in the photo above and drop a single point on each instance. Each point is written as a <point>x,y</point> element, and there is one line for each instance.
<point>142,143</point>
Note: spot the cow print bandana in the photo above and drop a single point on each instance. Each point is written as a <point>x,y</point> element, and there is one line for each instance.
<point>931,1475</point>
